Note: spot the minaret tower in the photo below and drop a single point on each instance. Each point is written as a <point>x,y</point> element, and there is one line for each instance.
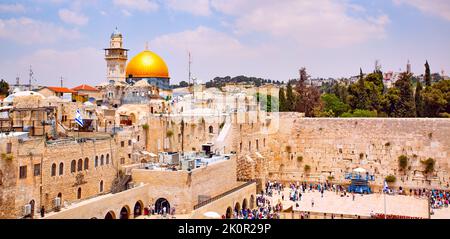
<point>116,58</point>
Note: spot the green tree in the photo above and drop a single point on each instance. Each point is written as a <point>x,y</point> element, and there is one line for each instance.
<point>435,101</point>
<point>4,88</point>
<point>269,103</point>
<point>290,98</point>
<point>334,104</point>
<point>360,114</point>
<point>405,106</point>
<point>282,100</point>
<point>427,76</point>
<point>418,100</point>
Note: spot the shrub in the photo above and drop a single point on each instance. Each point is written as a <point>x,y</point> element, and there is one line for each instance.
<point>300,159</point>
<point>169,133</point>
<point>429,165</point>
<point>221,125</point>
<point>145,126</point>
<point>330,178</point>
<point>307,168</point>
<point>390,179</point>
<point>402,162</point>
<point>7,156</point>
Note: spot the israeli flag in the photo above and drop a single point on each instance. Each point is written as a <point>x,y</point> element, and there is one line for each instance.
<point>78,118</point>
<point>385,187</point>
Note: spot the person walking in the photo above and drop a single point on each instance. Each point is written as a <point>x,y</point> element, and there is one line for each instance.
<point>312,202</point>
<point>42,211</point>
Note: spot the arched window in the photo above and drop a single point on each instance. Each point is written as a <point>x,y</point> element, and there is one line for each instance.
<point>102,159</point>
<point>61,168</point>
<point>73,166</point>
<point>53,169</point>
<point>107,158</point>
<point>96,161</point>
<point>80,165</point>
<point>79,193</point>
<point>86,163</point>
<point>211,129</point>
<point>101,186</point>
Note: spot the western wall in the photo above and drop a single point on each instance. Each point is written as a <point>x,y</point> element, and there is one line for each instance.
<point>333,146</point>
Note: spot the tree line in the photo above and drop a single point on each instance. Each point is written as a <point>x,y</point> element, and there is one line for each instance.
<point>369,97</point>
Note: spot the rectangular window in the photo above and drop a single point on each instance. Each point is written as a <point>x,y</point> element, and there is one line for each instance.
<point>129,156</point>
<point>122,160</point>
<point>129,142</point>
<point>122,144</point>
<point>23,172</point>
<point>37,169</point>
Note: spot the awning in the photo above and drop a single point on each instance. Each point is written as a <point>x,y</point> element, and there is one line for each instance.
<point>149,153</point>
<point>259,155</point>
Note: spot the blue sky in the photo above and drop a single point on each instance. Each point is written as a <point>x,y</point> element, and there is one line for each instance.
<point>262,38</point>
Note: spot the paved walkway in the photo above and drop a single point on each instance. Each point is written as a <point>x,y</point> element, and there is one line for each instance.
<point>363,205</point>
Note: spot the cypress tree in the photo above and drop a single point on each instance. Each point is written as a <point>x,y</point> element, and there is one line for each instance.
<point>290,98</point>
<point>427,74</point>
<point>405,106</point>
<point>282,98</point>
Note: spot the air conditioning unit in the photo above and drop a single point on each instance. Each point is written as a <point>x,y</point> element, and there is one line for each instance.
<point>27,210</point>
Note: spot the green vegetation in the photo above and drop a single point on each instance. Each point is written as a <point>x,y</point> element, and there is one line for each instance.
<point>4,88</point>
<point>169,133</point>
<point>288,148</point>
<point>390,179</point>
<point>402,162</point>
<point>368,96</point>
<point>145,126</point>
<point>7,156</point>
<point>429,165</point>
<point>307,168</point>
<point>299,159</point>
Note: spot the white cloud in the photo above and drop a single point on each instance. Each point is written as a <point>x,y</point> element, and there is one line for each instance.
<point>439,8</point>
<point>72,17</point>
<point>214,53</point>
<point>29,31</point>
<point>12,8</point>
<point>324,23</point>
<point>79,66</point>
<point>138,5</point>
<point>195,7</point>
<point>126,13</point>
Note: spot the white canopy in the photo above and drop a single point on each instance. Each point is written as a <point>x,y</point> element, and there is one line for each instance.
<point>359,170</point>
<point>212,215</point>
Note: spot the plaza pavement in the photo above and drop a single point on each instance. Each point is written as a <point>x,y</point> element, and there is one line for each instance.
<point>364,205</point>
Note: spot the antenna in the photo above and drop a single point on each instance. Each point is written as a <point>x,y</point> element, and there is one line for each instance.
<point>146,46</point>
<point>61,81</point>
<point>31,76</point>
<point>190,62</point>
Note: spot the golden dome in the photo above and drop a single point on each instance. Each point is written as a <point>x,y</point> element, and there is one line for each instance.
<point>147,65</point>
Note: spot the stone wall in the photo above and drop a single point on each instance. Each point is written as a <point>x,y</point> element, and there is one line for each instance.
<point>333,146</point>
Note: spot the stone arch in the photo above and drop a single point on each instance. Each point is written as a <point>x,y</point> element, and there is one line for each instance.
<point>211,129</point>
<point>33,204</point>
<point>229,213</point>
<point>252,201</point>
<point>60,196</point>
<point>237,207</point>
<point>125,212</point>
<point>53,173</point>
<point>96,161</point>
<point>107,158</point>
<point>101,186</point>
<point>86,163</point>
<point>102,160</point>
<point>138,208</point>
<point>80,165</point>
<point>73,166</point>
<point>61,168</point>
<point>245,204</point>
<point>160,204</point>
<point>110,215</point>
<point>79,193</point>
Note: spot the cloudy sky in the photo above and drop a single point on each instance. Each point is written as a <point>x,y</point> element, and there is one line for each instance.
<point>263,38</point>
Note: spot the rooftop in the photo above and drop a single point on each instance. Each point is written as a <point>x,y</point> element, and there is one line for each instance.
<point>85,88</point>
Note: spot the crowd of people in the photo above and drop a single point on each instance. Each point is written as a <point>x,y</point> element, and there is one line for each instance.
<point>439,199</point>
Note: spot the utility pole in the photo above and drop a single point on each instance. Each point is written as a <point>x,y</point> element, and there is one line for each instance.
<point>61,81</point>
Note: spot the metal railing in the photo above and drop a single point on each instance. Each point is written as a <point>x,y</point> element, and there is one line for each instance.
<point>215,198</point>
